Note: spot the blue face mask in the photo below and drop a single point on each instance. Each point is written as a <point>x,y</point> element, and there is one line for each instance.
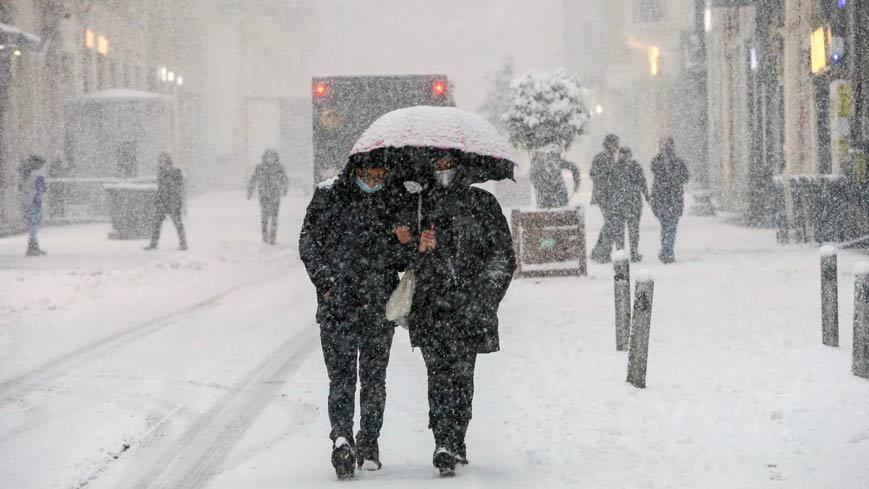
<point>365,188</point>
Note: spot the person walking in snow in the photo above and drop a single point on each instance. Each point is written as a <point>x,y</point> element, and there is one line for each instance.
<point>604,191</point>
<point>546,167</point>
<point>669,176</point>
<point>465,264</point>
<point>270,179</point>
<point>32,186</point>
<point>168,201</point>
<point>628,201</point>
<point>353,249</point>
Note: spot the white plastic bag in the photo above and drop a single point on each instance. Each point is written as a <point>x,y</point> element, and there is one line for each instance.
<point>401,300</point>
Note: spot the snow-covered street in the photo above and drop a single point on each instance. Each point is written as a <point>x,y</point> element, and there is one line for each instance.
<point>168,369</point>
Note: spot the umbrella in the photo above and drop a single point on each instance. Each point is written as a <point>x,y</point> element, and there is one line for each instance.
<point>408,139</point>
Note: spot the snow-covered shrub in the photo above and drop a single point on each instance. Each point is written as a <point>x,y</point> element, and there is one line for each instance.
<point>546,109</point>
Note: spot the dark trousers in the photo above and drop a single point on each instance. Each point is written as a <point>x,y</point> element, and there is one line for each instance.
<point>632,222</point>
<point>612,233</point>
<point>159,216</point>
<point>269,219</point>
<point>346,352</point>
<point>669,224</point>
<point>450,365</point>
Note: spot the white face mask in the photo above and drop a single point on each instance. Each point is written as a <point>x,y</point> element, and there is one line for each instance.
<point>444,177</point>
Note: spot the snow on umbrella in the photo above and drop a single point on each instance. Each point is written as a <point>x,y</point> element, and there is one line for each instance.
<point>405,137</point>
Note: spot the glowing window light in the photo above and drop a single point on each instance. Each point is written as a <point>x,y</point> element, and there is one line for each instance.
<point>171,77</point>
<point>163,74</point>
<point>819,50</point>
<point>654,55</point>
<point>89,39</point>
<point>180,81</point>
<point>102,45</point>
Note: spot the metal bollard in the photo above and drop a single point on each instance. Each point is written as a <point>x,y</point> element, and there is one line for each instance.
<point>829,296</point>
<point>638,357</point>
<point>860,365</point>
<point>622,294</point>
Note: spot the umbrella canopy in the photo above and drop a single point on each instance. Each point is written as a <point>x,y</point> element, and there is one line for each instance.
<point>409,138</point>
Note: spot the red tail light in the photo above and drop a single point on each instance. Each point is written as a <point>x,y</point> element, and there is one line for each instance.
<point>320,89</point>
<point>439,88</point>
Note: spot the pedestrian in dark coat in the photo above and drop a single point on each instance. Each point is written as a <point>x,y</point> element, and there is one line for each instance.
<point>32,186</point>
<point>270,179</point>
<point>168,201</point>
<point>604,190</point>
<point>351,244</point>
<point>628,202</point>
<point>465,265</point>
<point>670,174</point>
<point>546,167</point>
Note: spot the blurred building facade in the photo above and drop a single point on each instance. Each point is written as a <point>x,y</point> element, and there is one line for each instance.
<point>788,94</point>
<point>54,51</point>
<point>651,82</point>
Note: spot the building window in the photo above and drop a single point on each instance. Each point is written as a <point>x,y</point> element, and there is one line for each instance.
<point>646,11</point>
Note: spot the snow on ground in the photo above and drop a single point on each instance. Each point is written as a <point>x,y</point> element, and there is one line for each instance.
<point>206,366</point>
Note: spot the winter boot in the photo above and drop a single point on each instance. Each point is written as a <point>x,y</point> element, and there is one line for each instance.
<point>367,452</point>
<point>182,246</point>
<point>445,462</point>
<point>636,257</point>
<point>33,248</point>
<point>458,444</point>
<point>343,457</point>
<point>150,247</point>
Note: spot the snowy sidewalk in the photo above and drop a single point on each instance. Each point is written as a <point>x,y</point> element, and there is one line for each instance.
<point>741,393</point>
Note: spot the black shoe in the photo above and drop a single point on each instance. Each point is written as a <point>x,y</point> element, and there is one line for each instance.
<point>460,454</point>
<point>343,458</point>
<point>367,452</point>
<point>445,462</point>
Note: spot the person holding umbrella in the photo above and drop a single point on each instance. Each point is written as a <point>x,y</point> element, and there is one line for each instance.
<point>353,246</point>
<point>465,259</point>
<point>466,264</point>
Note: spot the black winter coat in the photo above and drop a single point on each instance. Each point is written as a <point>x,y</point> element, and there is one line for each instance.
<point>461,283</point>
<point>270,180</point>
<point>170,190</point>
<point>631,188</point>
<point>602,173</point>
<point>351,252</point>
<point>670,174</point>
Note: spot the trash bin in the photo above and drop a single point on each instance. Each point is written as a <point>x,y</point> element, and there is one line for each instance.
<point>131,209</point>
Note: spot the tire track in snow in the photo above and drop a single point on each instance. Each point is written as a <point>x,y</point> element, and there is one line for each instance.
<point>199,453</point>
<point>59,366</point>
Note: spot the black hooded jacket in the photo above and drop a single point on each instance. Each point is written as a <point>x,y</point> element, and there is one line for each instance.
<point>350,251</point>
<point>462,281</point>
<point>670,174</point>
